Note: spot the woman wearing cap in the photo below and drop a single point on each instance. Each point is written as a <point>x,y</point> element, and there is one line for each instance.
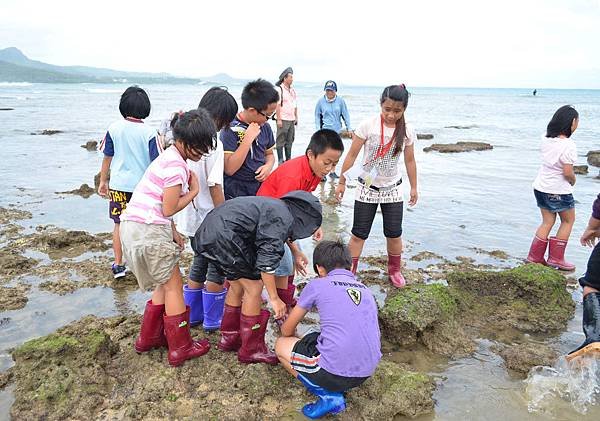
<point>286,114</point>
<point>329,112</point>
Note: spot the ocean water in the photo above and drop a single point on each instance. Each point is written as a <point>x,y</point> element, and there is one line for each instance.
<point>476,199</point>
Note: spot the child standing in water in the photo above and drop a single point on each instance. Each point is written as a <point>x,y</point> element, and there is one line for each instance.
<point>384,139</point>
<point>553,189</point>
<point>151,244</point>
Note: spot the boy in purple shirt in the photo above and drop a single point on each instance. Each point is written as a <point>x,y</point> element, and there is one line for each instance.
<point>347,350</point>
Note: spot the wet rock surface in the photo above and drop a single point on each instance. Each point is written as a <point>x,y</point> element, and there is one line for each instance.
<point>424,136</point>
<point>458,147</point>
<point>58,242</point>
<point>13,298</point>
<point>522,357</point>
<point>463,127</point>
<point>46,132</point>
<point>11,214</point>
<point>90,145</point>
<point>89,370</point>
<point>13,264</point>
<point>84,191</point>
<point>580,169</point>
<point>593,158</point>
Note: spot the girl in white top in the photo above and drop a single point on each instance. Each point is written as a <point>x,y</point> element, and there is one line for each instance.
<point>384,139</point>
<point>204,292</point>
<point>553,189</point>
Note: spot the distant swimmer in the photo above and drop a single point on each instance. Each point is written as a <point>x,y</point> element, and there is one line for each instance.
<point>534,92</point>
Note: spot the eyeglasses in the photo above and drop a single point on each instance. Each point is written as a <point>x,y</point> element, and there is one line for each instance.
<point>268,117</point>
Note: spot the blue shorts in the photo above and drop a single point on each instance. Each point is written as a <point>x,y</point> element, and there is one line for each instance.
<point>554,203</point>
<point>286,266</point>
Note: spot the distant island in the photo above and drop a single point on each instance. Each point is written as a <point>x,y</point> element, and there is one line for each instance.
<point>17,67</point>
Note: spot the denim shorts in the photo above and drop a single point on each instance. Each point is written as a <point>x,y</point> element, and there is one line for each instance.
<point>286,266</point>
<point>554,202</point>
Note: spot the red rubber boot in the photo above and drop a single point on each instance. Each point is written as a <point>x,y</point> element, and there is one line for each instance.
<point>152,334</point>
<point>181,345</point>
<point>556,254</point>
<point>252,332</point>
<point>230,329</point>
<point>394,265</point>
<point>537,251</point>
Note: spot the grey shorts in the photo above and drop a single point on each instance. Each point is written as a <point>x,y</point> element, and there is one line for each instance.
<point>149,251</point>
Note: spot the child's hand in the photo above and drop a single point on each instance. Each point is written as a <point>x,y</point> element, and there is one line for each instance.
<point>414,196</point>
<point>300,261</point>
<point>193,183</point>
<point>339,192</point>
<point>279,308</point>
<point>263,172</point>
<point>588,238</point>
<point>251,133</point>
<point>179,240</point>
<point>103,189</point>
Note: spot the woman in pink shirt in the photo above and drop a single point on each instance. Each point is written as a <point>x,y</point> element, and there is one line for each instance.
<point>152,246</point>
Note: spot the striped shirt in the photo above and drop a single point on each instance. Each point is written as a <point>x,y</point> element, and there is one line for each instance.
<point>168,170</point>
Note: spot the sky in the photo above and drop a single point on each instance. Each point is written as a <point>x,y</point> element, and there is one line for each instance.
<point>458,43</point>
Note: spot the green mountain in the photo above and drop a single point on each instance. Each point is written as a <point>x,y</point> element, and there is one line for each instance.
<point>17,67</point>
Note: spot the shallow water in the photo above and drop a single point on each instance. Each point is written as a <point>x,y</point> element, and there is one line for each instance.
<point>477,199</point>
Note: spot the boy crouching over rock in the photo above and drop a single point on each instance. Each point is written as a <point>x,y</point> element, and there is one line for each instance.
<point>347,350</point>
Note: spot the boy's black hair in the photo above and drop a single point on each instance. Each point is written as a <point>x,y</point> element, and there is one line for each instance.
<point>258,94</point>
<point>134,103</point>
<point>221,105</point>
<point>562,121</point>
<point>324,139</point>
<point>196,130</point>
<point>332,255</point>
<point>400,94</point>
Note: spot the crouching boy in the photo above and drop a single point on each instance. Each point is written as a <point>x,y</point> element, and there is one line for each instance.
<point>244,241</point>
<point>347,350</point>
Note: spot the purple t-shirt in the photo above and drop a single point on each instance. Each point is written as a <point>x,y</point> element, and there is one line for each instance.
<point>349,343</point>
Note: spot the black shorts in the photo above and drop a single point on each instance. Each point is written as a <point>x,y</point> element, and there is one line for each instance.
<point>592,274</point>
<point>202,270</point>
<point>364,214</point>
<point>118,203</point>
<point>305,360</point>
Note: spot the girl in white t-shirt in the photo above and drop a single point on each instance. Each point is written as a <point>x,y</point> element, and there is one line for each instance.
<point>204,292</point>
<point>384,139</point>
<point>553,189</point>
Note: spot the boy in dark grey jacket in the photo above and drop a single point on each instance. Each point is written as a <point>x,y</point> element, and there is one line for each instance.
<point>244,239</point>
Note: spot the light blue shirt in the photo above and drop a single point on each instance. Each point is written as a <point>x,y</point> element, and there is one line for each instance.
<point>133,146</point>
<point>328,114</point>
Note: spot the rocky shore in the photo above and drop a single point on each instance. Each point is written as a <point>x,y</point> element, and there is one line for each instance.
<point>89,370</point>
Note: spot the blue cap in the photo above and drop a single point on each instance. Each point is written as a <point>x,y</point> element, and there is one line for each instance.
<point>330,85</point>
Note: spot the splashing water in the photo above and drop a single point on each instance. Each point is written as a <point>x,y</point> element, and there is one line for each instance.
<point>576,382</point>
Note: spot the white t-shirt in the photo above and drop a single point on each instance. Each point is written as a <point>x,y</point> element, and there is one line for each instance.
<point>389,167</point>
<point>556,152</point>
<point>209,170</point>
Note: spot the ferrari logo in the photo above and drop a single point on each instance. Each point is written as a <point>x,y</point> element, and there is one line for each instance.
<point>355,295</point>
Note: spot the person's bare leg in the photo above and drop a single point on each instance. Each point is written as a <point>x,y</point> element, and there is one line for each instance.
<point>251,303</point>
<point>548,219</point>
<point>567,219</point>
<point>174,293</point>
<point>117,249</point>
<point>234,294</point>
<point>283,349</point>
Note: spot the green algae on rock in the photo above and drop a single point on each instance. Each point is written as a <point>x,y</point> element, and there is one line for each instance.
<point>393,391</point>
<point>522,357</point>
<point>89,370</point>
<point>424,313</point>
<point>531,297</point>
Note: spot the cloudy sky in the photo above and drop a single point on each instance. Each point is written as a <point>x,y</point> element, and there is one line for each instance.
<point>505,43</point>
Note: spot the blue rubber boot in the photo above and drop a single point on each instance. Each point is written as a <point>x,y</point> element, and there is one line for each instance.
<point>328,402</point>
<point>193,299</point>
<point>213,303</point>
